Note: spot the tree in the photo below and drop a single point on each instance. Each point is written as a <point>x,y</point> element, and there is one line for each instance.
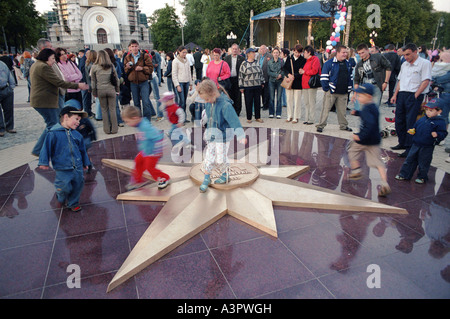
<point>22,24</point>
<point>209,21</point>
<point>165,29</point>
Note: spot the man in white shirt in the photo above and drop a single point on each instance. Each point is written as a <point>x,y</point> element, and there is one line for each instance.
<point>413,83</point>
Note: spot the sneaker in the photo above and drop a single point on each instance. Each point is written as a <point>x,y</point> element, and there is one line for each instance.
<point>278,116</point>
<point>354,176</point>
<point>319,129</point>
<point>76,208</point>
<point>447,160</point>
<point>271,116</point>
<point>384,190</point>
<point>163,184</point>
<point>400,178</point>
<point>419,181</point>
<point>348,129</point>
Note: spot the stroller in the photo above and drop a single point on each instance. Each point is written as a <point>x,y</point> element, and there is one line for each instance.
<point>390,128</point>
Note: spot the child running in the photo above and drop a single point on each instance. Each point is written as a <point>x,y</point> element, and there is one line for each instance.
<point>150,145</point>
<point>368,139</point>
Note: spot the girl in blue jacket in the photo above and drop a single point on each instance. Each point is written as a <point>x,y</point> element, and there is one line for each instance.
<point>222,124</point>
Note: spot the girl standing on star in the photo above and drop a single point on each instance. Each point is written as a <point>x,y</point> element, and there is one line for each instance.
<point>222,124</point>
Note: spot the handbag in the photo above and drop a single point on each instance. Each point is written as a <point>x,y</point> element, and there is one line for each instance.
<point>314,81</point>
<point>225,83</point>
<point>287,82</point>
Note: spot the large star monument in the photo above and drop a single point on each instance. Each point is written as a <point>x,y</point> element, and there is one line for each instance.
<point>249,196</point>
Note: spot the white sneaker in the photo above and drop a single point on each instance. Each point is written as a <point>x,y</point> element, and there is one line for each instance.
<point>447,160</point>
<point>163,184</point>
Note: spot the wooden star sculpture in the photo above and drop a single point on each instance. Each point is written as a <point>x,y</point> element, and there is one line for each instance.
<point>249,196</point>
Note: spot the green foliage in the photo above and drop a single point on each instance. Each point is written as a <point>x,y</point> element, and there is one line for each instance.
<point>22,24</point>
<point>210,21</point>
<point>165,29</point>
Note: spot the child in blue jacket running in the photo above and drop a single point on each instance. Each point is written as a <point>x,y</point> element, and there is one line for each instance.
<point>64,147</point>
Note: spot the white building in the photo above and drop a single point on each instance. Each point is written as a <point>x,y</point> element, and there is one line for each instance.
<point>97,23</point>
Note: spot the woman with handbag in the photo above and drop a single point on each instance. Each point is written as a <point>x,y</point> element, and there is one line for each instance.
<point>218,70</point>
<point>105,85</point>
<point>310,82</point>
<point>291,68</point>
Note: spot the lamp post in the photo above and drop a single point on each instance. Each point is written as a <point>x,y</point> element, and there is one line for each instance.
<point>231,37</point>
<point>440,24</point>
<point>331,7</point>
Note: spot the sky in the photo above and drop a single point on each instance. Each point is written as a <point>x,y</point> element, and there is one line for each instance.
<point>148,7</point>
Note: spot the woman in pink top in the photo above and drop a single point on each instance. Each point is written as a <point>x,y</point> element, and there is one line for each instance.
<point>70,72</point>
<point>311,67</point>
<point>214,66</point>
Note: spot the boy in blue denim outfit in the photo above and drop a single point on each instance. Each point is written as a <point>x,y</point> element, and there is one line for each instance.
<point>64,147</point>
<point>428,131</point>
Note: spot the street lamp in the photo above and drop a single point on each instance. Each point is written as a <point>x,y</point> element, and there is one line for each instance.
<point>440,24</point>
<point>231,38</point>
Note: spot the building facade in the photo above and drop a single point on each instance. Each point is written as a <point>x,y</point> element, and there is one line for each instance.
<point>98,23</point>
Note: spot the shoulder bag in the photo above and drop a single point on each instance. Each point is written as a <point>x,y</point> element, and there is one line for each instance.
<point>287,81</point>
<point>225,83</point>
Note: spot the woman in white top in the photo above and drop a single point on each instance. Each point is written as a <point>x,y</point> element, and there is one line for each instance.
<point>181,77</point>
<point>205,60</point>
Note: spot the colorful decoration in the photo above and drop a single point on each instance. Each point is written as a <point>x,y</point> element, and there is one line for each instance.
<point>338,25</point>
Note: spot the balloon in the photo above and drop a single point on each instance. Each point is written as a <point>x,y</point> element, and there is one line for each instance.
<point>344,9</point>
<point>334,25</point>
<point>342,14</point>
<point>337,35</point>
<point>344,23</point>
<point>337,16</point>
<point>333,43</point>
<point>333,34</point>
<point>337,29</point>
<point>329,42</point>
<point>342,28</point>
<point>328,50</point>
<point>337,39</point>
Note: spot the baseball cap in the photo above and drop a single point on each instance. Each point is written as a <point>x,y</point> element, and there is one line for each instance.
<point>72,110</point>
<point>365,88</point>
<point>167,96</point>
<point>250,50</point>
<point>433,103</point>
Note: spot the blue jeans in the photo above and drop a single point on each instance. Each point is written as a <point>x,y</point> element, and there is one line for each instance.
<point>51,117</point>
<point>275,87</point>
<point>7,109</point>
<point>283,97</point>
<point>69,185</point>
<point>119,117</point>
<point>418,156</point>
<point>155,90</point>
<point>182,96</point>
<point>98,109</point>
<point>87,101</point>
<point>140,92</point>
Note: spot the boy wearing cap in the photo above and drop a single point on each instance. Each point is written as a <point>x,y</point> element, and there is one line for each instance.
<point>368,139</point>
<point>64,147</point>
<point>428,131</point>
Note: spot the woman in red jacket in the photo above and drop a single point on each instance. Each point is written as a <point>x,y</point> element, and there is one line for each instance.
<point>311,67</point>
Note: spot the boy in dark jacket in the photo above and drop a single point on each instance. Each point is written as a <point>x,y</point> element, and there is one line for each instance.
<point>64,146</point>
<point>368,139</point>
<point>428,131</point>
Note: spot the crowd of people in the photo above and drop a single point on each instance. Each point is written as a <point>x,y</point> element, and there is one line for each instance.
<point>264,79</point>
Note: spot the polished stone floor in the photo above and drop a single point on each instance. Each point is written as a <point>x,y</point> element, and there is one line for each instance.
<point>318,253</point>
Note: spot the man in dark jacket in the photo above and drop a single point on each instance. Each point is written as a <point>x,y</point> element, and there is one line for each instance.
<point>198,65</point>
<point>396,64</point>
<point>372,68</point>
<point>235,60</point>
